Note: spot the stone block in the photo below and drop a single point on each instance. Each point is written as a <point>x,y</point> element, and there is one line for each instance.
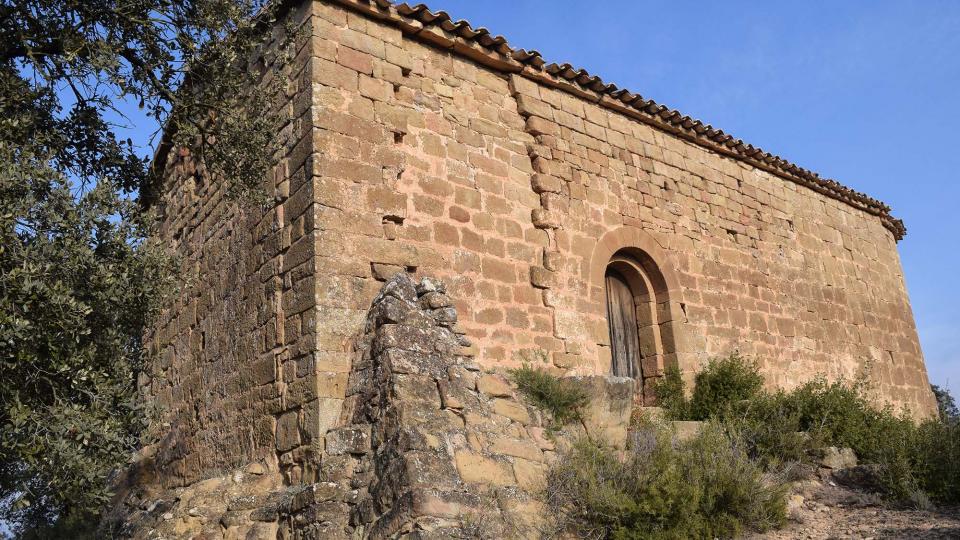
<point>607,416</point>
<point>355,60</point>
<point>545,219</point>
<point>545,183</point>
<point>531,106</point>
<point>541,126</point>
<point>383,272</point>
<point>436,300</point>
<point>516,448</point>
<point>542,278</point>
<point>417,388</point>
<point>475,468</point>
<point>531,475</point>
<point>288,431</point>
<point>348,440</point>
<point>838,458</point>
<point>494,385</point>
<point>321,415</point>
<point>512,410</point>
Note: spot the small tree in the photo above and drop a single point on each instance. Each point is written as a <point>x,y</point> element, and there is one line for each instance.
<point>946,406</point>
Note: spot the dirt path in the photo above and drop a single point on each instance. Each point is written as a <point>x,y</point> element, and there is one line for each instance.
<point>828,511</point>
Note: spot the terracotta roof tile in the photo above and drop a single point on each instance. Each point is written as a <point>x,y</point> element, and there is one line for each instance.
<point>440,29</point>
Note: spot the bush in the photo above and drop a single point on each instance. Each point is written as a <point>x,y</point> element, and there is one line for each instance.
<point>770,425</point>
<point>704,488</point>
<point>935,460</point>
<point>914,463</point>
<point>563,398</point>
<point>722,384</point>
<point>946,406</point>
<point>669,390</point>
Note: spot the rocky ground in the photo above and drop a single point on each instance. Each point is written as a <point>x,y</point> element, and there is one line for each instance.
<point>824,509</point>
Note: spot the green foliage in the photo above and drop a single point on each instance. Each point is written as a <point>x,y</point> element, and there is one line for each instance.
<point>562,397</point>
<point>669,390</point>
<point>79,279</point>
<point>185,63</point>
<point>78,283</point>
<point>718,389</point>
<point>934,456</point>
<point>946,406</point>
<point>704,488</point>
<point>915,462</point>
<point>722,384</point>
<point>771,426</point>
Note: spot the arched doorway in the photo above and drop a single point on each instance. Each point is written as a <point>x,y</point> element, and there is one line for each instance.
<point>636,295</point>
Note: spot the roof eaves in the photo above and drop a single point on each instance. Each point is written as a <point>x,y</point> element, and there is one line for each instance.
<point>439,29</point>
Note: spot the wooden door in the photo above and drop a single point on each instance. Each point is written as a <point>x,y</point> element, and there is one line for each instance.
<point>622,321</point>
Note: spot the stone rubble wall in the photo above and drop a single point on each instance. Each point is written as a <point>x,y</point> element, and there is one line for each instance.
<point>427,446</point>
<point>232,351</point>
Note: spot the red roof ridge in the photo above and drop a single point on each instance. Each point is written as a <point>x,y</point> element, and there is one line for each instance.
<point>439,29</point>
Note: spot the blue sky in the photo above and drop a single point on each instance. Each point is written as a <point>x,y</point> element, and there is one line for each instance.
<point>862,91</point>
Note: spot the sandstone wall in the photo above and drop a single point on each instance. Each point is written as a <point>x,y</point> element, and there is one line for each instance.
<point>232,351</point>
<point>430,156</point>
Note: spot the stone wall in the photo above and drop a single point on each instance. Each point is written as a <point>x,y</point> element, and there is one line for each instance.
<point>232,351</point>
<point>517,189</point>
<point>427,446</point>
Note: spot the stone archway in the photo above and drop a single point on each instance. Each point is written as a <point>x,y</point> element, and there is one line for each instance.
<point>638,293</point>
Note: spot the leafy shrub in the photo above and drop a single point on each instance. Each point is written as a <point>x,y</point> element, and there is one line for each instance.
<point>770,425</point>
<point>669,390</point>
<point>842,414</point>
<point>946,406</point>
<point>704,488</point>
<point>935,460</point>
<point>914,462</point>
<point>722,384</point>
<point>563,398</point>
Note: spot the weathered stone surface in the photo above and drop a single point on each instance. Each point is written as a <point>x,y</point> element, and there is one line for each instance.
<point>422,439</point>
<point>838,458</point>
<point>476,468</point>
<point>348,440</point>
<point>531,475</point>
<point>521,448</point>
<point>494,385</point>
<point>607,415</point>
<point>512,410</point>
